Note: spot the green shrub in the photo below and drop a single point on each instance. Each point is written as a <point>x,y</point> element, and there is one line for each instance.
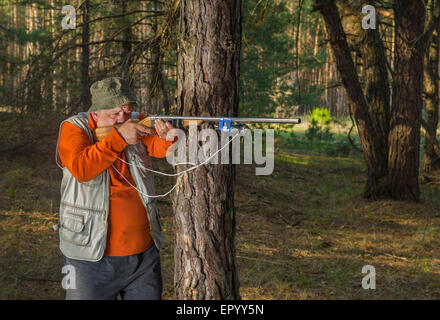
<point>319,128</point>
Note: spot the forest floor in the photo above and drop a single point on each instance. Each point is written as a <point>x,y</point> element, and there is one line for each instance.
<point>304,232</point>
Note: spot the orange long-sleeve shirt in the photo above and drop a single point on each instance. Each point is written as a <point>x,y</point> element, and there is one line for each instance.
<point>128,227</point>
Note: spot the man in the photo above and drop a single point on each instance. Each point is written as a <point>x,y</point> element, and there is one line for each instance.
<point>110,231</point>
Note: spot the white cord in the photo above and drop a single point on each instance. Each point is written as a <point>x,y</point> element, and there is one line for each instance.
<point>156,196</point>
<point>171,174</point>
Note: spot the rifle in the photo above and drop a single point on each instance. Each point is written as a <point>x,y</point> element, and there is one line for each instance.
<point>185,121</point>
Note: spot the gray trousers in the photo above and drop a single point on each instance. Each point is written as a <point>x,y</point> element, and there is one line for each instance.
<point>135,277</point>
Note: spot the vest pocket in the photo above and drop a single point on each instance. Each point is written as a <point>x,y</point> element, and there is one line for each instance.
<point>95,182</point>
<point>75,226</point>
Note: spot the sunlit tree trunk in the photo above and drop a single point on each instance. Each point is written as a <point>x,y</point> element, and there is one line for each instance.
<point>431,84</point>
<point>208,74</point>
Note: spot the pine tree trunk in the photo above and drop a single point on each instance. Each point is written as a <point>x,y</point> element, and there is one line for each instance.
<point>156,72</point>
<point>208,74</point>
<point>377,93</point>
<point>369,133</point>
<point>126,58</point>
<point>431,84</point>
<point>86,101</point>
<point>406,114</point>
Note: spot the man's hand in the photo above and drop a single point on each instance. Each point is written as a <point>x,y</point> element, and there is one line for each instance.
<point>162,128</point>
<point>132,132</point>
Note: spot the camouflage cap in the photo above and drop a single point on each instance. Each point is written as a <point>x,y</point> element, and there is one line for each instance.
<point>110,93</point>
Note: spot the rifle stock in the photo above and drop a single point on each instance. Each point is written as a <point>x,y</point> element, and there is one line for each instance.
<point>101,132</point>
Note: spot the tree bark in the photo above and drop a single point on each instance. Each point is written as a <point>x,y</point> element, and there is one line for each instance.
<point>406,113</point>
<point>377,93</point>
<point>85,58</point>
<point>370,133</point>
<point>432,100</point>
<point>126,57</point>
<point>208,62</point>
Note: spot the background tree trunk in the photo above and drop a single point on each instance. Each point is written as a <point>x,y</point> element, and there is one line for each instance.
<point>406,113</point>
<point>377,93</point>
<point>208,74</point>
<point>370,133</point>
<point>431,84</point>
<point>85,58</point>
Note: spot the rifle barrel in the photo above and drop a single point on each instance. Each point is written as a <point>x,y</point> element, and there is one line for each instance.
<point>233,119</point>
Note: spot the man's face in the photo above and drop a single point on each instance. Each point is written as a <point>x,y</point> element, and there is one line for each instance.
<point>114,116</point>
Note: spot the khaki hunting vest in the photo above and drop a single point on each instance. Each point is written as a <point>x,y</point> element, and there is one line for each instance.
<point>84,206</point>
